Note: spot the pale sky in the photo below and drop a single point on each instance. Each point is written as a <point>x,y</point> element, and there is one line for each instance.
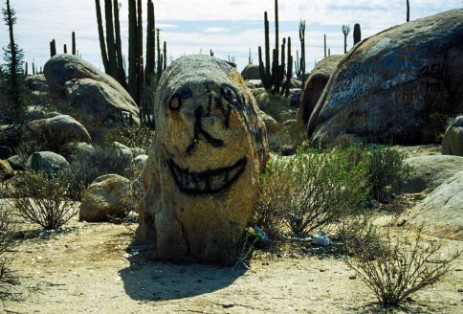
<point>229,27</point>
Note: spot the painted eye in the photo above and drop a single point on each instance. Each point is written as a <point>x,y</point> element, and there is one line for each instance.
<point>175,103</point>
<point>228,93</point>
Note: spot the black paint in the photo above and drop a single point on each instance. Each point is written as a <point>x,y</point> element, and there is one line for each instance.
<point>207,182</point>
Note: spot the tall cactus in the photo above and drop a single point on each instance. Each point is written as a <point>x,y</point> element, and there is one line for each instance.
<point>111,46</point>
<point>110,38</point>
<point>74,49</point>
<point>324,45</point>
<point>272,76</point>
<point>301,70</point>
<point>52,48</point>
<point>357,34</point>
<point>99,19</point>
<point>150,43</point>
<point>408,11</point>
<point>345,31</point>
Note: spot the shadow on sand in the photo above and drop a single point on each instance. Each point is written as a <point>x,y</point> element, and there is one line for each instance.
<point>148,280</point>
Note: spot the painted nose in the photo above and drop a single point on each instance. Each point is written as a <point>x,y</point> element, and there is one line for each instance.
<point>201,125</point>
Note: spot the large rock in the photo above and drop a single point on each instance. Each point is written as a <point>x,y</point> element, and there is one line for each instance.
<point>106,196</point>
<point>393,86</point>
<point>59,130</point>
<point>36,83</point>
<point>103,100</point>
<point>251,72</point>
<point>441,212</point>
<point>315,85</point>
<point>452,143</point>
<point>202,174</point>
<point>50,162</point>
<point>428,172</point>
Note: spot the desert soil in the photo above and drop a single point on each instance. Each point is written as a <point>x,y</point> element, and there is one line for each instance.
<point>93,268</point>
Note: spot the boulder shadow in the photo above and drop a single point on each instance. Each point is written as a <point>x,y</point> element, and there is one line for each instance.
<point>150,280</point>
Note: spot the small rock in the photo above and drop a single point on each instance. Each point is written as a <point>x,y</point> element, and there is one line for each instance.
<point>228,305</point>
<point>460,290</point>
<point>353,277</point>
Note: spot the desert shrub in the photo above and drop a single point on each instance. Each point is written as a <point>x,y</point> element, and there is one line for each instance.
<point>6,239</point>
<point>45,199</point>
<point>321,188</point>
<point>358,234</point>
<point>132,136</point>
<point>386,167</point>
<point>103,159</point>
<point>275,193</point>
<point>392,267</point>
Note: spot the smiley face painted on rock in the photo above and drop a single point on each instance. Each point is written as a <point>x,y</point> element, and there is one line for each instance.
<point>202,175</point>
<point>209,129</point>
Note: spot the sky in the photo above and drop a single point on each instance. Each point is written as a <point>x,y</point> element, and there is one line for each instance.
<point>231,28</point>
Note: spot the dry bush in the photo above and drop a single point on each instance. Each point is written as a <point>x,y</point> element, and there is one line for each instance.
<point>6,238</point>
<point>45,199</point>
<point>275,194</point>
<point>328,186</point>
<point>392,267</point>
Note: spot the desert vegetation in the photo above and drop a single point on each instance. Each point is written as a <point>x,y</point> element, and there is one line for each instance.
<point>342,192</point>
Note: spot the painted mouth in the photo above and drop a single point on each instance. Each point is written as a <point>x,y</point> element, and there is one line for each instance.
<point>209,181</point>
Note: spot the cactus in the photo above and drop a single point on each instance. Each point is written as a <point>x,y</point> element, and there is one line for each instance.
<point>52,48</point>
<point>324,45</point>
<point>150,43</point>
<point>250,60</point>
<point>272,76</point>
<point>345,31</point>
<point>65,48</point>
<point>104,55</point>
<point>110,38</point>
<point>36,162</point>
<point>74,51</point>
<point>164,59</point>
<point>357,34</point>
<point>301,63</point>
<point>408,11</point>
<point>111,47</point>
<point>289,72</point>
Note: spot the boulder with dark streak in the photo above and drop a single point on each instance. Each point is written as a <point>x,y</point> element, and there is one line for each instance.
<point>202,175</point>
<point>396,85</point>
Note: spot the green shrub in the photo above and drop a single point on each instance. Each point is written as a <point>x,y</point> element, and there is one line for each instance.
<point>328,187</point>
<point>275,194</point>
<point>385,168</point>
<point>392,267</point>
<point>45,199</point>
<point>310,191</point>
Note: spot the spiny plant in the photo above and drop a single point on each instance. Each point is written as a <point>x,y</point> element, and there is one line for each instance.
<point>272,75</point>
<point>345,31</point>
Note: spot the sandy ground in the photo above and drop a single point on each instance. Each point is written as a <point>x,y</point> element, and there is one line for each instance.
<point>93,269</point>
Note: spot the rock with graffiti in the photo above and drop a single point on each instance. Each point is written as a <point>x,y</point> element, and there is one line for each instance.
<point>202,176</point>
<point>395,86</point>
<point>315,85</point>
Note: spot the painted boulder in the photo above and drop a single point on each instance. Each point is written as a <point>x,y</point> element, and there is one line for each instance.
<point>395,86</point>
<point>315,85</point>
<point>202,175</point>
